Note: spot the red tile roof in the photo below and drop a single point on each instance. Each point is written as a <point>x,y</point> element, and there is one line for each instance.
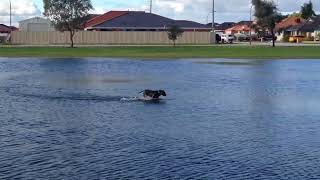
<point>239,28</point>
<point>104,17</point>
<point>289,22</point>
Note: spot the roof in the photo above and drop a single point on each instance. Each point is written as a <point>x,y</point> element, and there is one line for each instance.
<point>189,24</point>
<point>138,19</point>
<point>225,25</point>
<point>245,23</point>
<point>13,28</point>
<point>104,17</point>
<point>310,25</point>
<point>34,18</point>
<point>289,22</point>
<point>239,28</point>
<point>5,29</point>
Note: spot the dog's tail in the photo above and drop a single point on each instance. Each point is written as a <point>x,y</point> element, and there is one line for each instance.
<point>141,92</point>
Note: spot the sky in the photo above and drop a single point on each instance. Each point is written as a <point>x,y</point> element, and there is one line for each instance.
<point>196,10</point>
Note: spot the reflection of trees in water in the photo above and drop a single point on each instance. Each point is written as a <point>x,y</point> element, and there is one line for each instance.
<point>78,73</point>
<point>59,70</point>
<point>261,89</point>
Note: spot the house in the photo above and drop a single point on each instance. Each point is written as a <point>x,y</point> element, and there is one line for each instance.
<point>285,24</point>
<point>138,21</point>
<point>4,29</point>
<point>5,32</point>
<point>225,25</point>
<point>36,24</point>
<point>309,28</point>
<point>240,29</point>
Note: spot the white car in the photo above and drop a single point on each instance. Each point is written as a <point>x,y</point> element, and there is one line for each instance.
<point>227,38</point>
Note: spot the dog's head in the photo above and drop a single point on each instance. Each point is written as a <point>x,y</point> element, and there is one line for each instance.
<point>162,92</point>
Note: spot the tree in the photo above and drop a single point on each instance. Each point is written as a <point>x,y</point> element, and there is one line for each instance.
<point>267,16</point>
<point>67,15</point>
<point>295,14</point>
<point>307,10</point>
<point>174,32</point>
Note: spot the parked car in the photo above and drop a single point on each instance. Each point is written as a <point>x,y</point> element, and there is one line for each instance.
<point>296,39</point>
<point>242,37</point>
<point>268,38</point>
<point>227,38</point>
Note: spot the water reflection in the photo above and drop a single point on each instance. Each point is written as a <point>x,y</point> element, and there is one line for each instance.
<point>232,62</point>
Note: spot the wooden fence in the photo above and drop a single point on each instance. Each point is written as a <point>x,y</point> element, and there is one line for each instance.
<point>101,38</point>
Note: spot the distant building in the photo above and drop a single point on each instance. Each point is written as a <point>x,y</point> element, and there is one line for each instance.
<point>5,32</point>
<point>308,28</point>
<point>4,29</point>
<point>240,29</point>
<point>36,24</point>
<point>138,21</point>
<point>287,23</point>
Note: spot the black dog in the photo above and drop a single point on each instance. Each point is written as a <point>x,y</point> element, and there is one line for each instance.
<point>153,94</point>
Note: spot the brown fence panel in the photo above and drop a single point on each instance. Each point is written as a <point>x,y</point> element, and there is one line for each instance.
<point>105,38</point>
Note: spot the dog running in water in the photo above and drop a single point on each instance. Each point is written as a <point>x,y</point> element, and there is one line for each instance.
<point>154,95</point>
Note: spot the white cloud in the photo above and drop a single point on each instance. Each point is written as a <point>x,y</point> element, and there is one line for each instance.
<point>226,10</point>
<point>197,10</point>
<point>21,9</point>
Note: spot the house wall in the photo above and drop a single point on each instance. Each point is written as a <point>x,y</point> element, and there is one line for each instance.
<point>102,37</point>
<point>4,37</point>
<point>280,36</point>
<point>35,25</point>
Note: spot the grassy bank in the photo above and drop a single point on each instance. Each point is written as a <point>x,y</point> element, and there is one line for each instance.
<point>258,52</point>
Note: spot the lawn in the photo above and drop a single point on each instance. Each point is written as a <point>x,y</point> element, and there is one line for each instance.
<point>256,52</point>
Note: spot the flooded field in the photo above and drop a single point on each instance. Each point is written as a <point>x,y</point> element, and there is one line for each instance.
<point>222,119</point>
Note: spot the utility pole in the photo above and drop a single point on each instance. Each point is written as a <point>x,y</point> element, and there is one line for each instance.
<point>150,6</point>
<point>250,24</point>
<point>213,27</point>
<point>10,12</point>
<point>212,15</point>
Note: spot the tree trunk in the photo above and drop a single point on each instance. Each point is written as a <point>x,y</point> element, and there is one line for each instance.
<point>71,38</point>
<point>174,43</point>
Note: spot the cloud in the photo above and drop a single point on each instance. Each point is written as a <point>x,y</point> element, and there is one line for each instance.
<point>200,10</point>
<point>226,10</point>
<point>21,9</point>
<point>197,10</point>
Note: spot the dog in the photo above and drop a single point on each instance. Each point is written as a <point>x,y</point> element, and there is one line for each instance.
<point>154,95</point>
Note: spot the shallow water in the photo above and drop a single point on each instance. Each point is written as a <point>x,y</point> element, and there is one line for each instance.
<point>222,119</point>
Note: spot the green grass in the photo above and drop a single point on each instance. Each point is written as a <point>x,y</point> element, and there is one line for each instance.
<point>257,52</point>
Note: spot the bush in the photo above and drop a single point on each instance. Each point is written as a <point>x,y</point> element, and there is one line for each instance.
<point>285,38</point>
<point>318,36</point>
<point>309,39</point>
